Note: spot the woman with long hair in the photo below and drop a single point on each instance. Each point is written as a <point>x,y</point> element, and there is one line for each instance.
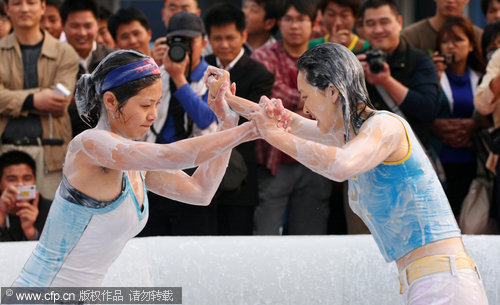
<point>392,185</point>
<point>460,68</point>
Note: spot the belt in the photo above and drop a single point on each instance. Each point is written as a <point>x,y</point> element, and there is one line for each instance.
<point>433,264</point>
<point>26,141</point>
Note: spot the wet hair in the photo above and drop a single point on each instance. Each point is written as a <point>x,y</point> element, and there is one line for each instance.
<point>354,5</point>
<point>308,8</point>
<point>490,33</point>
<point>332,63</point>
<point>88,94</point>
<point>72,6</point>
<point>374,4</point>
<point>222,14</point>
<point>16,157</point>
<point>475,58</point>
<point>126,16</point>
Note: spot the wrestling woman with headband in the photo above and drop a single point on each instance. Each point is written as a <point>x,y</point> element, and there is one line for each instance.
<point>101,202</point>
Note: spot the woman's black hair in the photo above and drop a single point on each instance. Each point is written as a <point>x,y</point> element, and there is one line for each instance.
<point>490,33</point>
<point>332,63</point>
<point>88,94</point>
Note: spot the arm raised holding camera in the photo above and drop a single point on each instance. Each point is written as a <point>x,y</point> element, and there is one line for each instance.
<point>383,78</point>
<point>26,210</point>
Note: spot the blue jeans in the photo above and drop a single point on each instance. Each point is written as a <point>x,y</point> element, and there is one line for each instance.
<point>296,198</point>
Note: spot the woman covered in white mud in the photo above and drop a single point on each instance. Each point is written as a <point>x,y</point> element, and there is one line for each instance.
<point>101,202</point>
<point>392,185</point>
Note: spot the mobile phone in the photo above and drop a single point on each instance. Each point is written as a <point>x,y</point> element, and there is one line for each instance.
<point>26,192</point>
<point>60,89</point>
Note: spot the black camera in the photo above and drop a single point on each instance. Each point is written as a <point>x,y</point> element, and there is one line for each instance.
<point>376,59</point>
<point>448,58</point>
<point>178,48</point>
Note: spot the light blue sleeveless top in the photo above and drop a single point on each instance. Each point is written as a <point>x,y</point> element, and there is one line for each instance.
<point>403,203</point>
<point>82,237</point>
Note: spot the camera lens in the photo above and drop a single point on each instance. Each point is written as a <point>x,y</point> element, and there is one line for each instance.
<point>177,53</point>
<point>376,65</point>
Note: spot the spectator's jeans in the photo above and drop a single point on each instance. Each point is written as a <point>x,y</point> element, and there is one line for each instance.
<point>454,286</point>
<point>296,196</point>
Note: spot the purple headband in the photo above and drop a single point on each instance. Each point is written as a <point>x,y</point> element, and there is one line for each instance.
<point>130,72</point>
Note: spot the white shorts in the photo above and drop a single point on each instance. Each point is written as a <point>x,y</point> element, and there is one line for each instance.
<point>464,287</point>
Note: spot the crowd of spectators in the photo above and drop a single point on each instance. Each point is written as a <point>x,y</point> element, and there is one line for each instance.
<point>441,73</point>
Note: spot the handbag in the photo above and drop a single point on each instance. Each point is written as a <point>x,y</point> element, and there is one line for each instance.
<point>475,212</point>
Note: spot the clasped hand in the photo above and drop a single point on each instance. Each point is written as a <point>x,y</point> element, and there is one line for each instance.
<point>269,115</point>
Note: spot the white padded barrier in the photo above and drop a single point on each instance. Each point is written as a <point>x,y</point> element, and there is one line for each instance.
<point>334,269</point>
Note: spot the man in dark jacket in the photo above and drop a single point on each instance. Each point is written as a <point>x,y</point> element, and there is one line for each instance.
<point>225,25</point>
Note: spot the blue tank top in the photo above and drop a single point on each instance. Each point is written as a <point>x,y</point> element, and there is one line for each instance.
<point>82,237</point>
<point>403,203</point>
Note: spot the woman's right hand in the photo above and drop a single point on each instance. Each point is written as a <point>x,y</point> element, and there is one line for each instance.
<point>439,63</point>
<point>274,109</point>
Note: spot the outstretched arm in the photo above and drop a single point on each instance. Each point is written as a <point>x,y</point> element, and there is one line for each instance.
<point>382,138</point>
<point>291,121</point>
<point>202,185</point>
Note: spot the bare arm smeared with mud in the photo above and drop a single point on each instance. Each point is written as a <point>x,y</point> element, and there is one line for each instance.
<point>378,140</point>
<point>296,124</point>
<point>106,151</point>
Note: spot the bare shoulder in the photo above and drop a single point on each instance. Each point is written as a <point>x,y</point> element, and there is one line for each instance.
<point>386,123</point>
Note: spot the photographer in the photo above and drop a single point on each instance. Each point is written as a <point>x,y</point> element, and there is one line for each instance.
<point>22,217</point>
<point>407,82</point>
<point>183,113</point>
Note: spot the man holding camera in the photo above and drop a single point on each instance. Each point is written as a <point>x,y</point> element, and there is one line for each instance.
<point>183,113</point>
<point>22,209</point>
<point>33,117</point>
<point>399,78</point>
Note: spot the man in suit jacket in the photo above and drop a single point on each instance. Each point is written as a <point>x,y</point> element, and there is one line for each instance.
<point>225,26</point>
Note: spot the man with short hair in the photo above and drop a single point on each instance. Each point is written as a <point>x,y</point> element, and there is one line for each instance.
<point>423,34</point>
<point>408,79</point>
<point>491,10</point>
<point>170,8</point>
<point>20,219</point>
<point>103,35</point>
<point>261,18</point>
<point>130,29</point>
<point>339,20</point>
<point>289,191</point>
<point>225,25</point>
<point>34,118</point>
<point>51,20</point>
<point>183,113</point>
<point>80,25</point>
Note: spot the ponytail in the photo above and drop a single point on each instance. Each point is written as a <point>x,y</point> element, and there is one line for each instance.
<point>87,99</point>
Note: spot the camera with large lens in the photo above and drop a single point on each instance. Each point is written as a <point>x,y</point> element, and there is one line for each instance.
<point>376,59</point>
<point>178,47</point>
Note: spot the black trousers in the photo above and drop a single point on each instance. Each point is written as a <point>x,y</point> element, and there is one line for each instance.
<point>170,217</point>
